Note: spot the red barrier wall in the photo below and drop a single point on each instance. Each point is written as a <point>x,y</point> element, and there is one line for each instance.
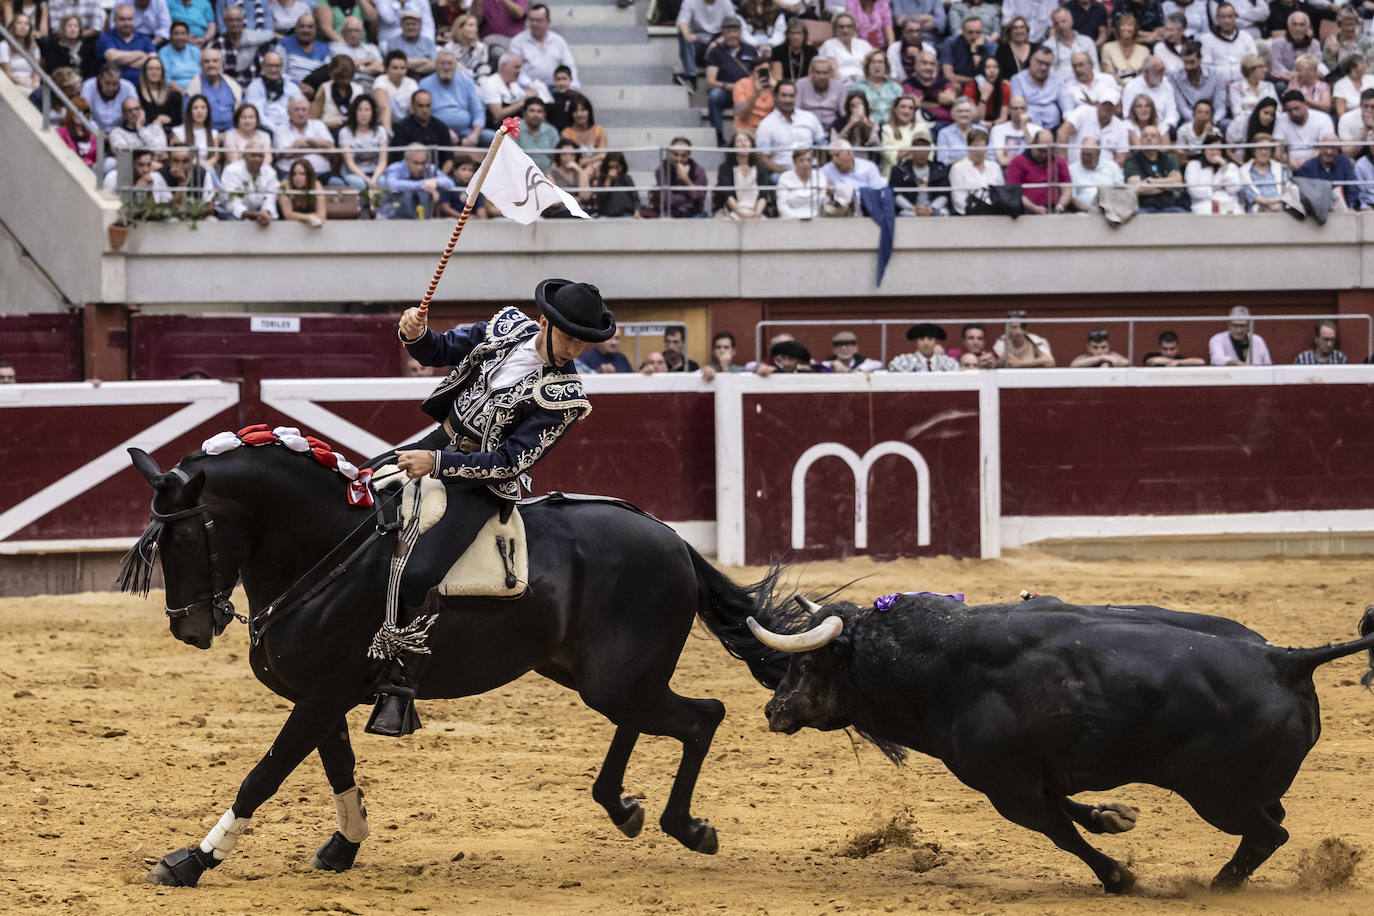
<point>43,348</point>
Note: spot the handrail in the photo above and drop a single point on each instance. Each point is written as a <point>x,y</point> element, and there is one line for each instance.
<point>49,87</point>
<point>1129,320</point>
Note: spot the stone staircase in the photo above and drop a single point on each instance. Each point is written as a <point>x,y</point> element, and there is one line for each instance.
<point>627,73</point>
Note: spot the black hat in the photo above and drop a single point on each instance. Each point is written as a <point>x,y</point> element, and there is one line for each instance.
<point>790,348</point>
<point>575,309</point>
<point>926,329</point>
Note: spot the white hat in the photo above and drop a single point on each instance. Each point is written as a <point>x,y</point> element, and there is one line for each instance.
<point>1240,313</point>
<point>1109,95</point>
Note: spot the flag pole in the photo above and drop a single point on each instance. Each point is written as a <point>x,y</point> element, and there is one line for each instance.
<point>508,126</point>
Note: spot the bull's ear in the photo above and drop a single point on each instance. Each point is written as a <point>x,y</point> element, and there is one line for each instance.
<point>145,465</point>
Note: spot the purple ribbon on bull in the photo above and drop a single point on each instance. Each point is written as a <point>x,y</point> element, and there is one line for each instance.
<point>886,601</point>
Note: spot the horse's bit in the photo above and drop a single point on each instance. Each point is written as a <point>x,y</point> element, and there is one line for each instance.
<point>218,599</point>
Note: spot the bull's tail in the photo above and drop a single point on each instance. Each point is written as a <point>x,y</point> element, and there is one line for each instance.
<point>724,605</point>
<point>1367,629</point>
<point>1305,661</point>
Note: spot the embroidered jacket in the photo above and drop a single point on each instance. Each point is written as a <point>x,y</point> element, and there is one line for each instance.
<point>512,427</point>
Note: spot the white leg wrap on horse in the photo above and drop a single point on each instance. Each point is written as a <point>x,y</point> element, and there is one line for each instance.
<point>348,805</point>
<point>221,839</point>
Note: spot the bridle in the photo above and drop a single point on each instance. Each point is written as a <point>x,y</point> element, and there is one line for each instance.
<point>218,598</point>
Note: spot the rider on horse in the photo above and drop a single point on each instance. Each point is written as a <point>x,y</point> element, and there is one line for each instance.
<point>512,393</point>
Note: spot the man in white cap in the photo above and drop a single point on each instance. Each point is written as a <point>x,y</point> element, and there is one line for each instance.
<point>1237,345</point>
<point>1096,119</point>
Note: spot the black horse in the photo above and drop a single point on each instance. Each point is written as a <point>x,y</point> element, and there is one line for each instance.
<point>612,597</point>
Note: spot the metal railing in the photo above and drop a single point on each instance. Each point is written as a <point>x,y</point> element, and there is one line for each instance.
<point>1093,321</point>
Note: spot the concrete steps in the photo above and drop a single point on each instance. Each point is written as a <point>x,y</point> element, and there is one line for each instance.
<point>588,14</point>
<point>605,34</point>
<point>649,98</point>
<point>653,53</point>
<point>613,118</point>
<point>630,76</point>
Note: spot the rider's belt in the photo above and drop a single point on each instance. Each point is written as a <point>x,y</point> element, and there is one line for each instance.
<point>460,443</point>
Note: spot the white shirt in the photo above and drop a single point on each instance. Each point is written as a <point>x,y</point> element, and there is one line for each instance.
<point>799,199</point>
<point>849,62</point>
<point>521,362</point>
<point>1007,136</point>
<point>1352,127</point>
<point>160,193</point>
<point>1172,61</point>
<point>542,59</point>
<point>1080,92</point>
<point>964,177</point>
<point>149,136</point>
<point>496,91</point>
<point>314,130</point>
<point>1225,56</point>
<point>1302,139</point>
<point>702,17</point>
<point>1201,181</point>
<point>397,99</point>
<point>1063,55</point>
<point>271,114</point>
<point>1345,89</point>
<point>864,174</point>
<point>389,18</point>
<point>241,192</point>
<point>778,136</point>
<point>1115,138</point>
<point>1086,183</point>
<point>1166,105</point>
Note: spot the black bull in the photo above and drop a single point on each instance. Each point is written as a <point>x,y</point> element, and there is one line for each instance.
<point>1033,702</point>
<point>612,597</point>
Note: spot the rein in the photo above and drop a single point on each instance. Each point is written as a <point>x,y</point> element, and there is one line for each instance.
<point>217,598</point>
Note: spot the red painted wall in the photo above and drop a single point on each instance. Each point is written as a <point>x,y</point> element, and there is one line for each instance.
<point>44,347</point>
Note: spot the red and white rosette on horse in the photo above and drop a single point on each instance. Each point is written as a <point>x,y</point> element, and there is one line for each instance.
<point>359,491</point>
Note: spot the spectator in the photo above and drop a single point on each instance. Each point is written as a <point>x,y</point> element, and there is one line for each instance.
<point>106,94</point>
<point>698,23</point>
<point>7,374</point>
<point>13,64</point>
<point>933,92</point>
<point>453,203</point>
<point>393,91</point>
<point>974,343</point>
<point>765,24</point>
<point>1097,120</point>
<point>1155,175</point>
<point>286,13</point>
<point>952,142</point>
<point>801,190</point>
<point>1345,93</point>
<point>221,92</point>
<point>1357,127</point>
<point>1285,49</point>
<point>536,133</point>
<point>1194,19</point>
<point>728,61</point>
<point>1151,82</point>
<point>846,49</point>
<point>120,44</point>
<point>620,197</point>
<point>1141,113</point>
<point>543,50</point>
<point>901,131</point>
<point>564,97</point>
<point>74,133</point>
<point>872,21</point>
<point>1349,39</point>
<point>1193,134</point>
<point>474,58</point>
<point>134,132</point>
<point>844,168</point>
<point>653,364</point>
<point>249,189</point>
<point>302,132</point>
<point>418,48</point>
<point>1064,42</point>
<point>930,14</point>
<point>1226,44</point>
<point>742,183</point>
<point>1036,13</point>
<point>1018,348</point>
<point>845,355</point>
<point>413,186</point>
<point>1092,172</point>
<point>1047,99</point>
<point>567,172</point>
<point>162,104</point>
<point>90,13</point>
<point>301,198</point>
<point>1237,346</point>
<point>502,20</point>
<point>199,16</point>
<point>364,143</point>
<point>1169,49</point>
<point>857,127</point>
<point>272,92</point>
<point>589,136</point>
<point>1087,83</point>
<point>1331,165</point>
<point>66,48</point>
<point>792,59</point>
<point>1323,352</point>
<point>457,104</point>
<point>1168,355</point>
<point>198,131</point>
<point>1308,81</point>
<point>972,174</point>
<point>681,182</point>
<point>1251,16</point>
<point>990,14</point>
<point>1123,58</point>
<point>787,128</point>
<point>1015,46</point>
<point>821,94</point>
<point>753,98</point>
<point>919,183</point>
<point>901,55</point>
<point>389,14</point>
<point>723,353</point>
<point>789,357</point>
<point>1196,82</point>
<point>1089,19</point>
<point>36,11</point>
<point>180,58</point>
<point>674,340</point>
<point>330,16</point>
<point>963,54</point>
<point>1008,137</point>
<point>1047,187</point>
<point>991,93</point>
<point>334,100</point>
<point>605,357</point>
<point>506,91</point>
<point>304,55</point>
<point>1099,354</point>
<point>240,47</point>
<point>924,359</point>
<point>148,183</point>
<point>1300,128</point>
<point>1261,120</point>
<point>1245,93</point>
<point>1263,180</point>
<point>366,57</point>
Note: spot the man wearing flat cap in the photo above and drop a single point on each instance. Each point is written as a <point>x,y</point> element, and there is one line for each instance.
<point>845,355</point>
<point>511,394</point>
<point>1237,345</point>
<point>925,359</point>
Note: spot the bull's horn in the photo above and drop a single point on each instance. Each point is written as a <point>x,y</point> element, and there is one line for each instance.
<point>806,604</point>
<point>814,638</point>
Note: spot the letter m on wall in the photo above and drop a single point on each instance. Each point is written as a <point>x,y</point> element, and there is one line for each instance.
<point>860,467</point>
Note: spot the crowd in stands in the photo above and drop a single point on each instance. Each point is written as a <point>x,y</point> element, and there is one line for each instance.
<point>960,107</point>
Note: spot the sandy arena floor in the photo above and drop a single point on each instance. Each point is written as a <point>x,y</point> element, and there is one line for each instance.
<point>119,744</point>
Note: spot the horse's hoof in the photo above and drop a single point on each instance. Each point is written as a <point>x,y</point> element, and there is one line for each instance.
<point>706,843</point>
<point>164,876</point>
<point>336,855</point>
<point>634,822</point>
<point>182,868</point>
<point>1115,817</point>
<point>1121,881</point>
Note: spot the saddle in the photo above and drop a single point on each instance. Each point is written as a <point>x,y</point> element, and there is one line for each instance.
<point>497,562</point>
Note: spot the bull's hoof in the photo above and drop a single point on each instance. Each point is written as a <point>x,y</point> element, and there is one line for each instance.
<point>1121,880</point>
<point>1114,817</point>
<point>182,868</point>
<point>336,855</point>
<point>633,820</point>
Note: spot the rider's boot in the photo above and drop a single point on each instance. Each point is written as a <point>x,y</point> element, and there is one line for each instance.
<point>394,714</point>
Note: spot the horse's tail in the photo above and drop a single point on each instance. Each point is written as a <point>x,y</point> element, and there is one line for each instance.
<point>723,606</point>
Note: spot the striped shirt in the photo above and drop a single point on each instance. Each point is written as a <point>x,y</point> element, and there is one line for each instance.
<point>1310,358</point>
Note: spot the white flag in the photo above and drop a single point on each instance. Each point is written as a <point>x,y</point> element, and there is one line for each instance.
<point>521,192</point>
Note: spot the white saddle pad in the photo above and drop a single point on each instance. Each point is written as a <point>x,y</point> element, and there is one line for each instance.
<point>480,571</point>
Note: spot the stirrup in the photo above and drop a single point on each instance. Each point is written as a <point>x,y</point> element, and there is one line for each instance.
<point>393,716</point>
